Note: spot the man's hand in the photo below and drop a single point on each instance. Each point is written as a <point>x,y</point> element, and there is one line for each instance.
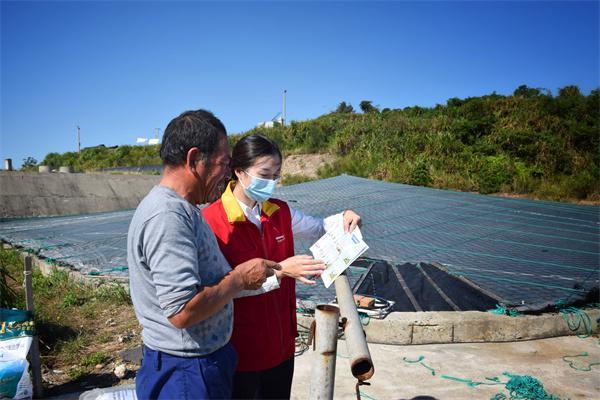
<point>253,273</point>
<point>351,220</point>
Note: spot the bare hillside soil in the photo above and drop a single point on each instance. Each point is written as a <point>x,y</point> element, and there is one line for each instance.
<point>305,164</point>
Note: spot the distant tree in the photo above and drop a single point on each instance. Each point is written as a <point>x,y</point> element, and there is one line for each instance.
<point>593,104</point>
<point>454,102</point>
<point>526,92</point>
<point>53,160</point>
<point>495,96</point>
<point>569,92</point>
<point>29,164</point>
<point>571,103</point>
<point>344,108</point>
<point>366,106</point>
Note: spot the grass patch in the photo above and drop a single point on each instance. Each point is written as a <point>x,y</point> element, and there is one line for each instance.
<point>78,323</point>
<point>72,349</point>
<point>72,299</point>
<point>293,179</point>
<point>90,360</point>
<point>113,293</point>
<point>9,296</point>
<point>76,373</point>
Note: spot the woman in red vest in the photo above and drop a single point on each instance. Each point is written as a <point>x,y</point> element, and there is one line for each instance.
<point>248,224</point>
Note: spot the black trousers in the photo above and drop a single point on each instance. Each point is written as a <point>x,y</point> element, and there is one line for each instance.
<point>274,383</point>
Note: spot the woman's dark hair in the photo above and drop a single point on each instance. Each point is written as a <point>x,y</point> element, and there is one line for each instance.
<point>250,149</point>
<point>198,128</point>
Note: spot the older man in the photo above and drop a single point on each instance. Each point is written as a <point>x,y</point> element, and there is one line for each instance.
<point>181,285</point>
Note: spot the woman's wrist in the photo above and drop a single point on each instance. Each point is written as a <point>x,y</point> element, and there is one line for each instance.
<point>284,271</point>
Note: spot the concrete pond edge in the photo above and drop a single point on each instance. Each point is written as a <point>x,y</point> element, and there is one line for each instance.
<point>431,327</point>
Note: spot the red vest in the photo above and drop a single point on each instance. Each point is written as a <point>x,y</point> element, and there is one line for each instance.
<point>264,326</point>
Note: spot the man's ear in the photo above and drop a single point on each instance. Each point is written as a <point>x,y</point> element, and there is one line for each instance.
<point>192,156</point>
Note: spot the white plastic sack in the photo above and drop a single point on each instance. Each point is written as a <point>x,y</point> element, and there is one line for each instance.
<point>125,392</point>
<point>16,333</point>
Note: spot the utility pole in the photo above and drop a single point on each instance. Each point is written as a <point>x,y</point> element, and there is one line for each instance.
<point>78,141</point>
<point>157,132</point>
<point>283,115</point>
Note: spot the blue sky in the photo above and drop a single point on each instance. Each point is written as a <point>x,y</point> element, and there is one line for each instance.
<point>121,69</point>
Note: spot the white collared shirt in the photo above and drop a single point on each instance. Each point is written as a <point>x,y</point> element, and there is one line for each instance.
<point>252,214</point>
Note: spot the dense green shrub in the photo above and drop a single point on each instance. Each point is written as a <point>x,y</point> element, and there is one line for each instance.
<point>419,174</point>
<point>493,173</point>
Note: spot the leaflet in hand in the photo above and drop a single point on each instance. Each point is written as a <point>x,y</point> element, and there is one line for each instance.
<point>338,249</point>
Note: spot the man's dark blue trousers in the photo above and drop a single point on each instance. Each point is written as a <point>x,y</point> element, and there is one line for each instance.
<point>164,376</point>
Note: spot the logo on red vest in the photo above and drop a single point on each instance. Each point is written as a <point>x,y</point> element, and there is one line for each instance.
<point>280,238</point>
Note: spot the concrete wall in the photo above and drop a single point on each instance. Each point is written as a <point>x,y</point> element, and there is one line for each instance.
<point>32,194</point>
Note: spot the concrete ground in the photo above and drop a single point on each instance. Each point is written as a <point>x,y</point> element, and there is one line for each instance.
<point>396,379</point>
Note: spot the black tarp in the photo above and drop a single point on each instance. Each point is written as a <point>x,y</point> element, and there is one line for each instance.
<point>382,281</point>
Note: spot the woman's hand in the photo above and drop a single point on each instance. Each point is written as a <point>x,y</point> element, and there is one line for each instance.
<point>351,220</point>
<point>301,266</point>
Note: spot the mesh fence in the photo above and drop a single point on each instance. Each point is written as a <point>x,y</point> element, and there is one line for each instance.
<point>523,251</point>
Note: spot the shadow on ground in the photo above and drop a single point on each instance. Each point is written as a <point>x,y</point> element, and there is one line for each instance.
<point>50,333</point>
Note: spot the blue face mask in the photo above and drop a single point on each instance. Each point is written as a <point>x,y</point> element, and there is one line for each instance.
<point>259,189</point>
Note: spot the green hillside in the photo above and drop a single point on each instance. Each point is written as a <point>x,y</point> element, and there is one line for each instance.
<point>531,143</point>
